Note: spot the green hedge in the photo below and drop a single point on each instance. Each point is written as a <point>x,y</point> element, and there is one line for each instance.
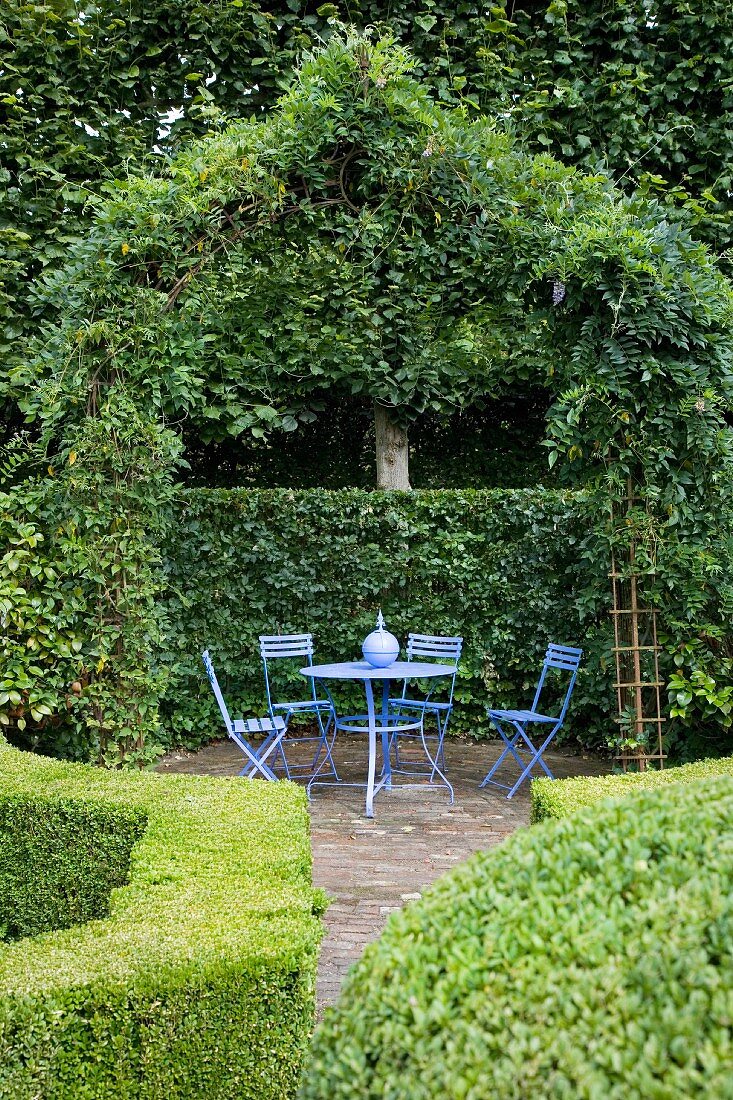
<point>554,966</point>
<point>503,568</point>
<point>197,978</point>
<point>60,860</point>
<point>560,797</point>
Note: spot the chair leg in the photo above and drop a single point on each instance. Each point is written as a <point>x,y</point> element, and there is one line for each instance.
<point>256,763</point>
<point>536,759</point>
<point>433,760</point>
<point>322,741</point>
<point>537,753</point>
<point>328,756</point>
<point>258,757</point>
<point>280,752</point>
<point>440,754</point>
<point>324,745</point>
<point>510,747</point>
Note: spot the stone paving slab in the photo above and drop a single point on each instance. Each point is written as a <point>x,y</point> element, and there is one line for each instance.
<point>370,868</point>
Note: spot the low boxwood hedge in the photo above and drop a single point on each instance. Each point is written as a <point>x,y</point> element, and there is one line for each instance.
<point>195,975</point>
<point>556,965</point>
<point>560,797</point>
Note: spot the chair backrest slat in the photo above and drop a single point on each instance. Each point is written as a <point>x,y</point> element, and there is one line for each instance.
<point>436,646</point>
<point>276,646</point>
<point>286,645</point>
<point>217,691</point>
<point>271,655</point>
<point>565,658</point>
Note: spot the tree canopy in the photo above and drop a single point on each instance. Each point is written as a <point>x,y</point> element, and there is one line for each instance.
<point>91,90</point>
<point>361,237</point>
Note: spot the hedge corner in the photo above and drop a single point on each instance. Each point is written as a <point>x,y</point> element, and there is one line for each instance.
<point>175,934</point>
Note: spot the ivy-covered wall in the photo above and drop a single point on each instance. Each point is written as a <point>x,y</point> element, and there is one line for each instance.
<point>502,568</point>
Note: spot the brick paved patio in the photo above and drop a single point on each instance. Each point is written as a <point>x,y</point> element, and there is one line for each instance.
<point>371,868</point>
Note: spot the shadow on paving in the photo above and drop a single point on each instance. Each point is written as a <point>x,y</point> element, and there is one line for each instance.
<point>370,868</point>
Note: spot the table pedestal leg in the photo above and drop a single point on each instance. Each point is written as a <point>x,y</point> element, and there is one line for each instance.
<point>372,748</point>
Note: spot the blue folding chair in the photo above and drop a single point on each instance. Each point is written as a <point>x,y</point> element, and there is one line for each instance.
<point>565,658</point>
<point>440,649</point>
<point>279,647</point>
<point>274,728</point>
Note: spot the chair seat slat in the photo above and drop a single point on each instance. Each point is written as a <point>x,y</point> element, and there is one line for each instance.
<point>260,725</point>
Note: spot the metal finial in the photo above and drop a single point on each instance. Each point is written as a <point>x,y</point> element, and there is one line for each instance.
<point>380,620</point>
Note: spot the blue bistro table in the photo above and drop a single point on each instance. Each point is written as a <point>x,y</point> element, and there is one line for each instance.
<point>382,724</point>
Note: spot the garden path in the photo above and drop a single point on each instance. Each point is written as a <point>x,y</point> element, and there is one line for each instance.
<point>370,868</point>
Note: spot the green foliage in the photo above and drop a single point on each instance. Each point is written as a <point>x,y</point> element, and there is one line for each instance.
<point>85,92</point>
<point>60,859</point>
<point>86,89</point>
<point>39,612</point>
<point>200,980</point>
<point>78,588</point>
<point>386,247</point>
<point>700,686</point>
<point>586,957</point>
<point>492,445</point>
<point>501,568</point>
<point>360,240</point>
<point>641,87</point>
<point>560,797</point>
<point>355,221</point>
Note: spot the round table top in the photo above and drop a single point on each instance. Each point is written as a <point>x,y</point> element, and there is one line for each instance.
<point>360,670</point>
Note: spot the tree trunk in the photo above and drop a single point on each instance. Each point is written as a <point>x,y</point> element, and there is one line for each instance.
<point>392,451</point>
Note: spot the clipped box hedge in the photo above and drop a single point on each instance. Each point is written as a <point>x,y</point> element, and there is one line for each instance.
<point>194,972</point>
<point>560,797</point>
<point>503,568</point>
<point>586,958</point>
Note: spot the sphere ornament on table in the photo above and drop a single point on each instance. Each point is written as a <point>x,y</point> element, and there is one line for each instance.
<point>380,648</point>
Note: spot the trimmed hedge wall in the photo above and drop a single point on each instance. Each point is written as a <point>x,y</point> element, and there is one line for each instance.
<point>199,978</point>
<point>502,568</point>
<point>560,797</point>
<point>60,860</point>
<point>554,966</point>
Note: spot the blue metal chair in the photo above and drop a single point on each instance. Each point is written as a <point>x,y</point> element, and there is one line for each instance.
<point>441,649</point>
<point>564,658</point>
<point>274,728</point>
<point>288,647</point>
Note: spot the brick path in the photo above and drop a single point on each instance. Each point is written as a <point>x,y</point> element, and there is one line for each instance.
<point>371,868</point>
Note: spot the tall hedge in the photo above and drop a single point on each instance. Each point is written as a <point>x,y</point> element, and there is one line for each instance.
<point>588,958</point>
<point>501,568</point>
<point>168,931</point>
<point>86,90</point>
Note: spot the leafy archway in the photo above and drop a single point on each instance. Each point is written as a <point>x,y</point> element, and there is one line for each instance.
<point>359,238</point>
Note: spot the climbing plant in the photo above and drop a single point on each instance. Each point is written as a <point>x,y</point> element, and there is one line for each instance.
<point>81,626</point>
<point>90,90</point>
<point>362,239</point>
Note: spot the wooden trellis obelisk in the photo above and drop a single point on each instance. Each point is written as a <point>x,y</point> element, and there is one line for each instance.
<point>638,686</point>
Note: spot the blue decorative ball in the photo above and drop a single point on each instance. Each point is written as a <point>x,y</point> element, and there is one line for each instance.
<point>380,648</point>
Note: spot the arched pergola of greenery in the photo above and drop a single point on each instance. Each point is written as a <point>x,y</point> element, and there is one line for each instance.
<point>361,239</point>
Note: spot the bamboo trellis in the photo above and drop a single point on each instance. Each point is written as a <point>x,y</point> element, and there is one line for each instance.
<point>638,685</point>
